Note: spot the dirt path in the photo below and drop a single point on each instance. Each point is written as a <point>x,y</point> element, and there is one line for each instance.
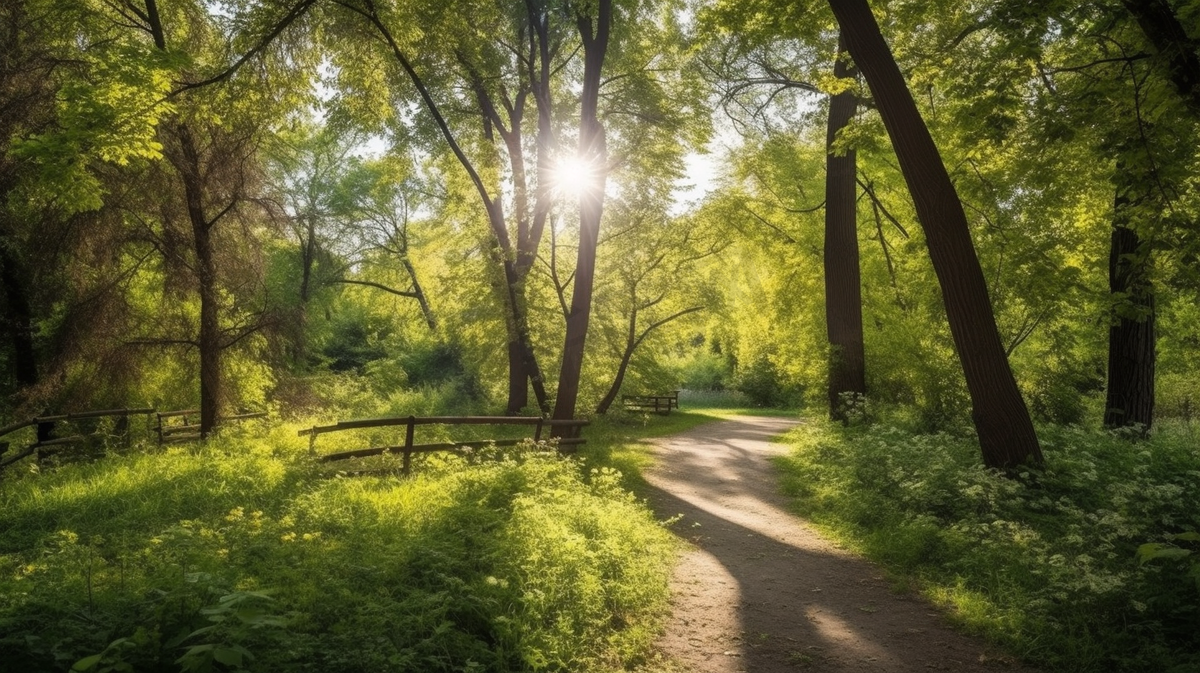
<point>760,591</point>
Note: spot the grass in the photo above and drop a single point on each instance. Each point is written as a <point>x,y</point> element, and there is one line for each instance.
<point>242,554</point>
<point>1053,563</point>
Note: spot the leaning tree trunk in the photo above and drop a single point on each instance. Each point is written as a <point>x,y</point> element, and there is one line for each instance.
<point>1131,337</point>
<point>843,291</point>
<point>591,207</point>
<point>422,300</point>
<point>1006,435</point>
<point>631,344</point>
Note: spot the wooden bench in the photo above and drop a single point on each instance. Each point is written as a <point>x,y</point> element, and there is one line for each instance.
<point>184,426</point>
<point>569,435</point>
<point>659,404</point>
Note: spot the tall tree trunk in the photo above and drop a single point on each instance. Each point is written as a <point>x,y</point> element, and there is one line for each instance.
<point>209,342</point>
<point>19,320</point>
<point>592,149</point>
<point>1131,337</point>
<point>518,378</point>
<point>308,256</point>
<point>1006,435</point>
<point>523,369</point>
<point>843,287</point>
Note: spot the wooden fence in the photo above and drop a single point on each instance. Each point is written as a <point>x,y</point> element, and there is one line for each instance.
<point>570,434</point>
<point>180,426</point>
<point>188,427</point>
<point>45,444</point>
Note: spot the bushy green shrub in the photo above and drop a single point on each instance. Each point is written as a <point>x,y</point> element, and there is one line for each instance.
<point>237,556</point>
<point>1044,561</point>
<point>705,371</point>
<point>762,384</point>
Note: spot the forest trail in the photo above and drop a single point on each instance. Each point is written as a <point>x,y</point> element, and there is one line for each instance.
<point>758,590</point>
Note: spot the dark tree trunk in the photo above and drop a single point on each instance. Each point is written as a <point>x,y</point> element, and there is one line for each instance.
<point>209,342</point>
<point>591,207</point>
<point>308,257</point>
<point>1006,434</point>
<point>843,291</point>
<point>1163,29</point>
<point>1131,337</point>
<point>18,318</point>
<point>523,369</point>
<point>518,378</point>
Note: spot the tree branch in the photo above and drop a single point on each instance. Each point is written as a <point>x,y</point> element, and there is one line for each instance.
<point>367,283</point>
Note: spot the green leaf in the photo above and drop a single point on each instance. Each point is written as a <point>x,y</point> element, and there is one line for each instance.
<point>1155,550</point>
<point>87,663</point>
<point>228,656</point>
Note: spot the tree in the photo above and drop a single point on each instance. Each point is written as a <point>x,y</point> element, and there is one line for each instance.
<point>383,198</point>
<point>499,79</point>
<point>653,279</point>
<point>843,285</point>
<point>1006,433</point>
<point>78,100</point>
<point>594,31</point>
<point>214,163</point>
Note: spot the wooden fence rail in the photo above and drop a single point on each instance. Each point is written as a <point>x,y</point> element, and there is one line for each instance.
<point>45,425</point>
<point>44,444</point>
<point>570,428</point>
<point>188,430</point>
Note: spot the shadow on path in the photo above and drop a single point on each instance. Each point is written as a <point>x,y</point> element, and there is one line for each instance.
<point>759,591</point>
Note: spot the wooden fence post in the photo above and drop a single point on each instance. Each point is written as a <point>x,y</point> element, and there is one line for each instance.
<point>408,444</point>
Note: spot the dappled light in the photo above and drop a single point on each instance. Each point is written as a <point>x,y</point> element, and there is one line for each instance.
<point>333,332</point>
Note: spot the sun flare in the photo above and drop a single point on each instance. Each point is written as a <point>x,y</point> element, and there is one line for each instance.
<point>573,175</point>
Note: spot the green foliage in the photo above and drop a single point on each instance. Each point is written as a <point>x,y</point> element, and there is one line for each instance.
<point>1045,562</point>
<point>237,556</point>
<point>705,371</point>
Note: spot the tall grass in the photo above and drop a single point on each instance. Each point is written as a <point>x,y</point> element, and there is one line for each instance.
<point>242,555</point>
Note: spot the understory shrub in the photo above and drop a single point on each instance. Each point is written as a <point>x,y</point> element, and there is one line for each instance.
<point>1044,561</point>
<point>239,556</point>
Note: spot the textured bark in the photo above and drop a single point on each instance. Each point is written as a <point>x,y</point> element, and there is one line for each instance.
<point>843,287</point>
<point>187,164</point>
<point>1006,435</point>
<point>591,207</point>
<point>1131,340</point>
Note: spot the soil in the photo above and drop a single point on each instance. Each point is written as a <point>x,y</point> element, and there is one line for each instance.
<point>759,590</point>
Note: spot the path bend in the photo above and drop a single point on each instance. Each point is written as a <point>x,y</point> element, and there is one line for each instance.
<point>758,590</point>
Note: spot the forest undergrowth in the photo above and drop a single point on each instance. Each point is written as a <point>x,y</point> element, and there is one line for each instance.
<point>244,554</point>
<point>1088,564</point>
